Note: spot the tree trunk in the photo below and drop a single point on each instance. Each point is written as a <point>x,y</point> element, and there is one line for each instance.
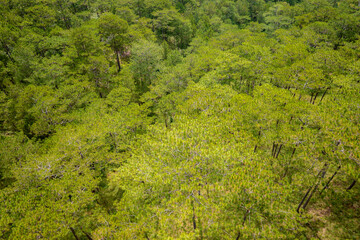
<point>303,199</point>
<point>332,177</point>
<point>323,95</point>
<point>166,123</point>
<point>118,61</point>
<point>279,151</point>
<point>315,98</point>
<point>245,216</point>
<point>87,235</point>
<point>193,217</point>
<point>147,237</point>
<point>311,194</point>
<point>293,152</point>
<point>351,186</point>
<point>238,236</point>
<point>321,175</point>
<point>74,233</point>
<point>275,150</point>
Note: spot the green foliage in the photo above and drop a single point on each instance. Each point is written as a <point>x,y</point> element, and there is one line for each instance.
<point>179,119</point>
<point>145,63</point>
<point>113,30</point>
<point>172,27</point>
<point>278,16</point>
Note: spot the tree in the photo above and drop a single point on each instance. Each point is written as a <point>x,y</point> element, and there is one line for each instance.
<point>172,27</point>
<point>145,63</point>
<point>278,16</point>
<point>114,31</point>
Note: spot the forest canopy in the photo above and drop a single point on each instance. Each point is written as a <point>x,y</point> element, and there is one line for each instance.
<point>179,119</point>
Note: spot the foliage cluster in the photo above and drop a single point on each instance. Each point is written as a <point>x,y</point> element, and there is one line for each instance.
<point>179,119</point>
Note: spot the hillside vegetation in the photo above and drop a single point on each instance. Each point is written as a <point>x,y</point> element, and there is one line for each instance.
<point>179,119</point>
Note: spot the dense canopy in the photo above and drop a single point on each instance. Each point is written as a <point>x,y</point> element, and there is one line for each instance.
<point>179,119</point>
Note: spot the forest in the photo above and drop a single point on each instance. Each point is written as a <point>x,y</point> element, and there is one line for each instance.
<point>179,119</point>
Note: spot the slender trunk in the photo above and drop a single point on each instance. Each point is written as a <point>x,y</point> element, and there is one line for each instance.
<point>323,170</point>
<point>245,216</point>
<point>315,98</point>
<point>312,193</point>
<point>193,217</point>
<point>255,148</point>
<point>293,152</point>
<point>320,175</point>
<point>303,199</point>
<point>166,123</point>
<point>87,235</point>
<point>332,177</point>
<point>118,61</point>
<point>275,150</point>
<point>286,170</point>
<point>279,151</point>
<point>351,186</point>
<point>147,237</point>
<point>74,233</point>
<point>238,236</point>
<point>278,147</point>
<point>323,95</point>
